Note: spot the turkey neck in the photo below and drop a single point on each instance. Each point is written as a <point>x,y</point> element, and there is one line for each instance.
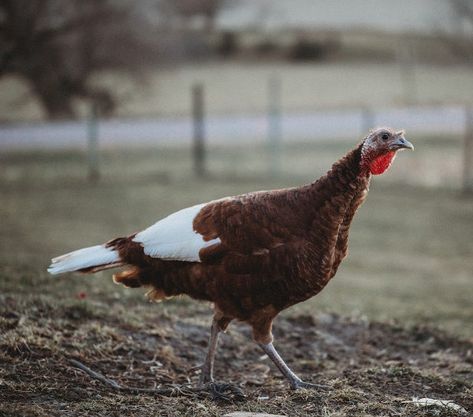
<point>341,183</point>
<point>335,197</point>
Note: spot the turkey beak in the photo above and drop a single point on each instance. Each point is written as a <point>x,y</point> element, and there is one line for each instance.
<point>401,143</point>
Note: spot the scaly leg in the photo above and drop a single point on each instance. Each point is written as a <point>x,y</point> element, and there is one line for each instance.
<point>208,367</point>
<point>294,380</point>
<point>223,392</point>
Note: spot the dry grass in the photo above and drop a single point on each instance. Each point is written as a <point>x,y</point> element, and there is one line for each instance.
<point>410,264</point>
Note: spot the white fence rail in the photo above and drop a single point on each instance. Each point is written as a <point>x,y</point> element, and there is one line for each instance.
<point>234,129</point>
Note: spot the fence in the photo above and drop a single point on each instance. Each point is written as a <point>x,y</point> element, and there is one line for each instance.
<point>272,128</point>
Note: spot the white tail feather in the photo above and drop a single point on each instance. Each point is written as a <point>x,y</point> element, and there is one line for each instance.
<point>94,256</point>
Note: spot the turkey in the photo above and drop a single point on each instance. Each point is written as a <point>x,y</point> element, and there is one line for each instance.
<point>251,255</point>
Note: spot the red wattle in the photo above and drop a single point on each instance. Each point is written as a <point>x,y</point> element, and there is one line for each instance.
<point>382,163</point>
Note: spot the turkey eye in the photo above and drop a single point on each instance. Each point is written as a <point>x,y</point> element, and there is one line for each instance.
<point>385,136</point>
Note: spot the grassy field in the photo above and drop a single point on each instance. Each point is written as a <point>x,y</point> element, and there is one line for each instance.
<point>395,323</point>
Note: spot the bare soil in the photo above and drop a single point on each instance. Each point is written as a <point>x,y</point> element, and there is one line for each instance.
<point>371,368</point>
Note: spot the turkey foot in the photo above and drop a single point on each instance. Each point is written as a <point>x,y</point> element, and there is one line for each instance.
<point>223,392</point>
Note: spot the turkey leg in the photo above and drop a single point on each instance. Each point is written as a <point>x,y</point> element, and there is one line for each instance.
<point>294,380</point>
<point>218,391</point>
<point>208,367</point>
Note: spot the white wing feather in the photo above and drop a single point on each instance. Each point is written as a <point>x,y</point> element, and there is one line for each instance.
<point>174,237</point>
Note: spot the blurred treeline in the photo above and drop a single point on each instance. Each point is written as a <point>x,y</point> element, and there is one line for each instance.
<point>59,46</point>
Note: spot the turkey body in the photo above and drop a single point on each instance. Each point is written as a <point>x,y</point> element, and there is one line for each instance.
<point>275,248</point>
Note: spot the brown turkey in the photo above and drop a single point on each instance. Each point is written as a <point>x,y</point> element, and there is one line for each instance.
<point>252,255</point>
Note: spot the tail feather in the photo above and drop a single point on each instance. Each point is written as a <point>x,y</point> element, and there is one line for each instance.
<point>92,259</point>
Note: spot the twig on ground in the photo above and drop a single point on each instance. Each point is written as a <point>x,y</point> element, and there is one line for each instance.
<point>94,374</point>
<point>216,391</point>
<point>117,386</point>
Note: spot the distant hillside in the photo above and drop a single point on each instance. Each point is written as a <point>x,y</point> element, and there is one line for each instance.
<point>414,16</point>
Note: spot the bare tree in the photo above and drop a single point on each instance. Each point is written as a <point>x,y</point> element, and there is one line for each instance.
<point>58,45</point>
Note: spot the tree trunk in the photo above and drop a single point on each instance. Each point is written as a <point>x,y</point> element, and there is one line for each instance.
<point>54,95</point>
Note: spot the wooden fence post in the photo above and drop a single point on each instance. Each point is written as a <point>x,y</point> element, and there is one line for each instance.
<point>467,187</point>
<point>198,130</point>
<point>367,120</point>
<point>408,69</point>
<point>274,125</point>
<point>92,145</point>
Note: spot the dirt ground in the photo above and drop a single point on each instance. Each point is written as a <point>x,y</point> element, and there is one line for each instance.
<point>370,368</point>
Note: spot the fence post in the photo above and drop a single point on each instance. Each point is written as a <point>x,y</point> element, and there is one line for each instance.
<point>408,69</point>
<point>367,120</point>
<point>198,129</point>
<point>274,124</point>
<point>92,144</point>
<point>468,153</point>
